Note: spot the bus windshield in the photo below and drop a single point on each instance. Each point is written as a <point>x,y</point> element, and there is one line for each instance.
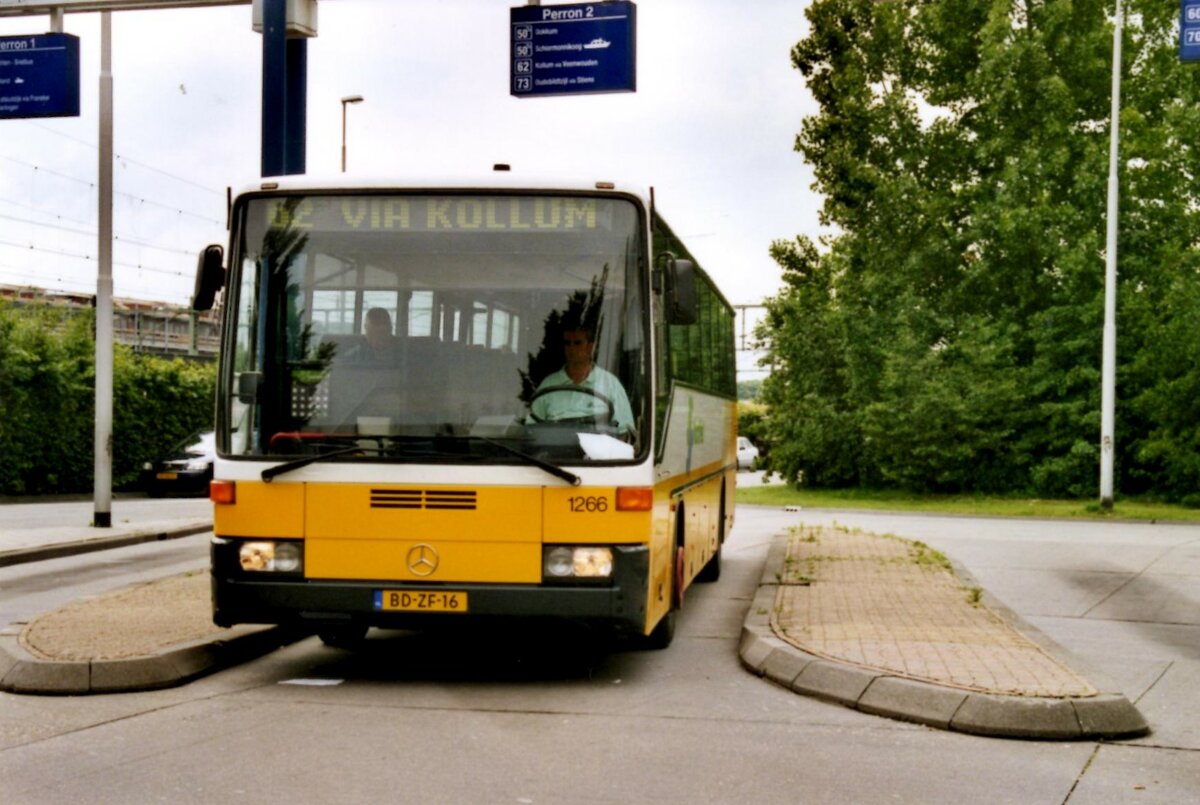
<point>434,328</point>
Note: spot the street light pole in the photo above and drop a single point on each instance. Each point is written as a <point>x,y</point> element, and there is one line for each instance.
<point>1108,371</point>
<point>349,99</point>
<point>103,442</point>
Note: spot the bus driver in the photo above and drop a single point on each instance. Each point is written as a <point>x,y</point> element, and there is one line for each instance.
<point>580,371</point>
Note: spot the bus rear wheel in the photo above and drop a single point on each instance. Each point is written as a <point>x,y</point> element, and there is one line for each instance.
<point>712,569</point>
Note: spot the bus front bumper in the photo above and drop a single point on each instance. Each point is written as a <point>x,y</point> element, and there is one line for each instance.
<point>241,597</point>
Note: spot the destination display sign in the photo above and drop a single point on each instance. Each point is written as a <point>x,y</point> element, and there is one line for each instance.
<point>462,214</point>
<point>39,76</point>
<point>1189,30</point>
<point>573,49</point>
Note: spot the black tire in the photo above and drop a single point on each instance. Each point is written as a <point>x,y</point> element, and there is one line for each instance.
<point>664,631</point>
<point>712,570</point>
<point>662,635</point>
<point>348,636</point>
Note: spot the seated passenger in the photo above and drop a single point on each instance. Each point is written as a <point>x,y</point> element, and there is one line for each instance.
<point>580,371</point>
<point>380,347</point>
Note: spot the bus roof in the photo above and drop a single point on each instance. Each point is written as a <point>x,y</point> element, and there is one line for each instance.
<point>496,180</point>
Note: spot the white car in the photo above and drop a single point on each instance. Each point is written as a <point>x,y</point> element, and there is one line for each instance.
<point>747,453</point>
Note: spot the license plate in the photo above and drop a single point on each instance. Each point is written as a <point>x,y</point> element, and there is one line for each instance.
<point>167,476</point>
<point>420,601</point>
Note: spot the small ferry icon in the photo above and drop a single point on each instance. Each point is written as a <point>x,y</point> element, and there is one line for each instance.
<point>597,44</point>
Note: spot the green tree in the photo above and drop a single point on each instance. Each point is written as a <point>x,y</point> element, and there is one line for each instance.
<point>748,390</point>
<point>948,337</point>
<point>811,426</point>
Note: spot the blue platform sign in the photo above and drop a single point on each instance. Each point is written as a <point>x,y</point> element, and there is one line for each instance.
<point>573,49</point>
<point>39,76</point>
<point>1189,30</point>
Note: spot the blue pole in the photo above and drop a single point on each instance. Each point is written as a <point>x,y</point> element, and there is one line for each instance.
<point>297,93</point>
<point>274,88</point>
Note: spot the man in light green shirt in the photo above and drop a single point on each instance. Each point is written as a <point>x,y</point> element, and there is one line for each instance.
<point>580,372</point>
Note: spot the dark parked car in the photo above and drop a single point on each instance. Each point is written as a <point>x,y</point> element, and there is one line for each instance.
<point>186,471</point>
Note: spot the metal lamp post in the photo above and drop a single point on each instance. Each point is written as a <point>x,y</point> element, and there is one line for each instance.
<point>1108,370</point>
<point>349,99</point>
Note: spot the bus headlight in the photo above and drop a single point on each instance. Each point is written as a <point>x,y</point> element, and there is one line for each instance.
<point>271,557</point>
<point>579,562</point>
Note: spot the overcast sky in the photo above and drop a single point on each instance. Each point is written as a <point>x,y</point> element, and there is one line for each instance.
<point>711,127</point>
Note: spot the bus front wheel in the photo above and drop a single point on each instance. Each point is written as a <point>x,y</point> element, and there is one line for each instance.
<point>346,636</point>
<point>663,633</point>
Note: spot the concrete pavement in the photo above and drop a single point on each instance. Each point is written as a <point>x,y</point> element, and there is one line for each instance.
<point>148,636</point>
<point>877,623</point>
<point>37,544</point>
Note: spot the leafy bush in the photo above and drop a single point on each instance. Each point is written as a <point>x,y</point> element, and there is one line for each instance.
<point>47,382</point>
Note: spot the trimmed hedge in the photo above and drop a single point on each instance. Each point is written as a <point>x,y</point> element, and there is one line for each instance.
<point>47,402</point>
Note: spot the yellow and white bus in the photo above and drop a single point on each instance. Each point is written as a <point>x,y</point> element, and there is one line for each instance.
<point>403,440</point>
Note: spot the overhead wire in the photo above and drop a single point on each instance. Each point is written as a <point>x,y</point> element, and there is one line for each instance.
<point>91,184</point>
<point>62,223</point>
<point>90,258</point>
<point>123,158</point>
<point>117,238</point>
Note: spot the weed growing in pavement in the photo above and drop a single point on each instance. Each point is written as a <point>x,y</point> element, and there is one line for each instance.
<point>924,555</point>
<point>975,596</point>
<point>802,533</point>
<point>789,575</point>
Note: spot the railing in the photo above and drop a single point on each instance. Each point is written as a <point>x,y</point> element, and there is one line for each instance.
<point>167,332</point>
<point>143,326</point>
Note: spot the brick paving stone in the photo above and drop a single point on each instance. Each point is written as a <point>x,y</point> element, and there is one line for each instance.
<point>889,604</point>
<point>154,614</point>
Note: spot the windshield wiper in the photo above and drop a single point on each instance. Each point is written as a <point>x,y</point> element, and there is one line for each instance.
<point>295,464</point>
<point>553,469</point>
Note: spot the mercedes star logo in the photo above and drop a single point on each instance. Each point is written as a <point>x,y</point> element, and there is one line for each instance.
<point>422,559</point>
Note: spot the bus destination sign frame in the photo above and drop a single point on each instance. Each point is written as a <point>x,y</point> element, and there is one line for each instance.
<point>573,49</point>
<point>39,76</point>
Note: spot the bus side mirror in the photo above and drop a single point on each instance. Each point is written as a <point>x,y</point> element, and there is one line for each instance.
<point>210,277</point>
<point>248,384</point>
<point>682,306</point>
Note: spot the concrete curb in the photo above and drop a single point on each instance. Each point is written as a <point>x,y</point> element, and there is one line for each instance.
<point>56,550</point>
<point>21,672</point>
<point>1107,715</point>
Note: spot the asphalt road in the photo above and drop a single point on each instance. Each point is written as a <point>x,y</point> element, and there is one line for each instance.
<point>28,590</point>
<point>499,718</point>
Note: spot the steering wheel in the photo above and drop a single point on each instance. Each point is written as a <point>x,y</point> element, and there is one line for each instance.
<point>601,418</point>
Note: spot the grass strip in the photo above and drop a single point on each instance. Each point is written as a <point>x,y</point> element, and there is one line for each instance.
<point>978,505</point>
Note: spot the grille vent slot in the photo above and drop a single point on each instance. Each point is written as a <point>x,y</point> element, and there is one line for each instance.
<point>422,499</point>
